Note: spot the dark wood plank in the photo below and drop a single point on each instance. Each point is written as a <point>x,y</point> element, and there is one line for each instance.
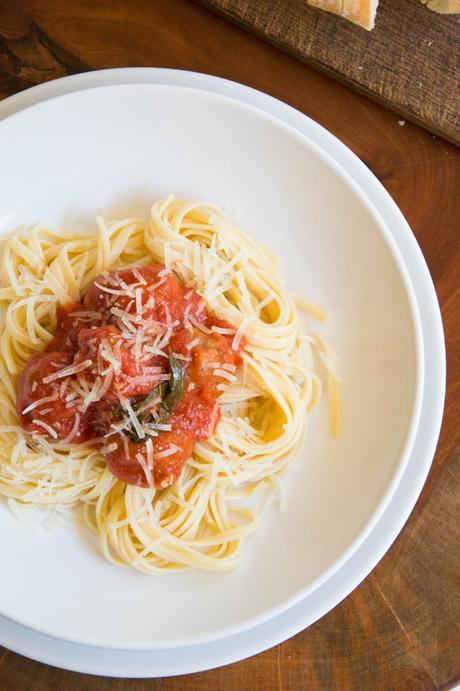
<point>409,62</point>
<point>399,629</point>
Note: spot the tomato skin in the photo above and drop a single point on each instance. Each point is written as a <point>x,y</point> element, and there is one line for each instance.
<point>180,340</point>
<point>60,415</point>
<point>196,416</point>
<point>165,471</point>
<point>221,323</point>
<point>210,353</point>
<point>211,356</point>
<point>69,327</point>
<point>169,301</point>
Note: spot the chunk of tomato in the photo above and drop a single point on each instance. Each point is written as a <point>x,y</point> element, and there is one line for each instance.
<point>208,353</point>
<point>196,416</point>
<point>54,411</point>
<point>124,462</point>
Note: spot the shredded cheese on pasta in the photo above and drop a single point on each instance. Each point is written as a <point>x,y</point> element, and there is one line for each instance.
<point>200,521</point>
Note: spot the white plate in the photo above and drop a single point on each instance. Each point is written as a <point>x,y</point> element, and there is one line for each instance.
<point>119,147</point>
<point>324,598</point>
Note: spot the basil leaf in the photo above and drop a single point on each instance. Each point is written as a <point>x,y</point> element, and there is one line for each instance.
<point>170,393</point>
<point>133,436</point>
<point>157,392</point>
<point>176,389</point>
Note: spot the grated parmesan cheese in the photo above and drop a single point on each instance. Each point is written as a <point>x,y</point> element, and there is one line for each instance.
<point>240,333</point>
<point>145,467</point>
<point>73,431</point>
<point>222,330</point>
<point>107,353</point>
<point>112,291</point>
<point>228,367</point>
<point>46,427</point>
<point>139,308</point>
<point>139,276</point>
<point>193,320</point>
<point>133,417</point>
<point>225,375</point>
<point>39,402</point>
<point>192,344</point>
<point>110,447</point>
<point>172,449</point>
<point>67,371</point>
<point>149,447</point>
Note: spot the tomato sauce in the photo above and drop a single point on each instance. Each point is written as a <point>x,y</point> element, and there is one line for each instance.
<point>137,366</point>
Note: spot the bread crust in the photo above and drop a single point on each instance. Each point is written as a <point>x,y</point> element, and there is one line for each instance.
<point>361,12</point>
<point>443,6</point>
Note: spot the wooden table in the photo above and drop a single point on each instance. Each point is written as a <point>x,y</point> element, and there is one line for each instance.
<point>400,628</point>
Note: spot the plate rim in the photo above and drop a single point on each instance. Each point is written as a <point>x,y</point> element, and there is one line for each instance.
<point>84,637</point>
<point>259,99</point>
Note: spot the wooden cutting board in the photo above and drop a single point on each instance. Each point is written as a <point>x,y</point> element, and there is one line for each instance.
<point>400,629</point>
<point>410,62</point>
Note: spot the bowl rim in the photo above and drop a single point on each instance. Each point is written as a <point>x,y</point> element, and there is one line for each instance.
<point>409,437</point>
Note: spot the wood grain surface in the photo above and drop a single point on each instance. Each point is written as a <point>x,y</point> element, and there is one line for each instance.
<point>400,630</point>
<point>410,62</point>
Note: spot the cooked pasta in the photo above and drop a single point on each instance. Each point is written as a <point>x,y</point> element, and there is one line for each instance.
<point>201,520</point>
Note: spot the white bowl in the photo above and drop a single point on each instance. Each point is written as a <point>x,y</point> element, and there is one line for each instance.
<point>116,149</point>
